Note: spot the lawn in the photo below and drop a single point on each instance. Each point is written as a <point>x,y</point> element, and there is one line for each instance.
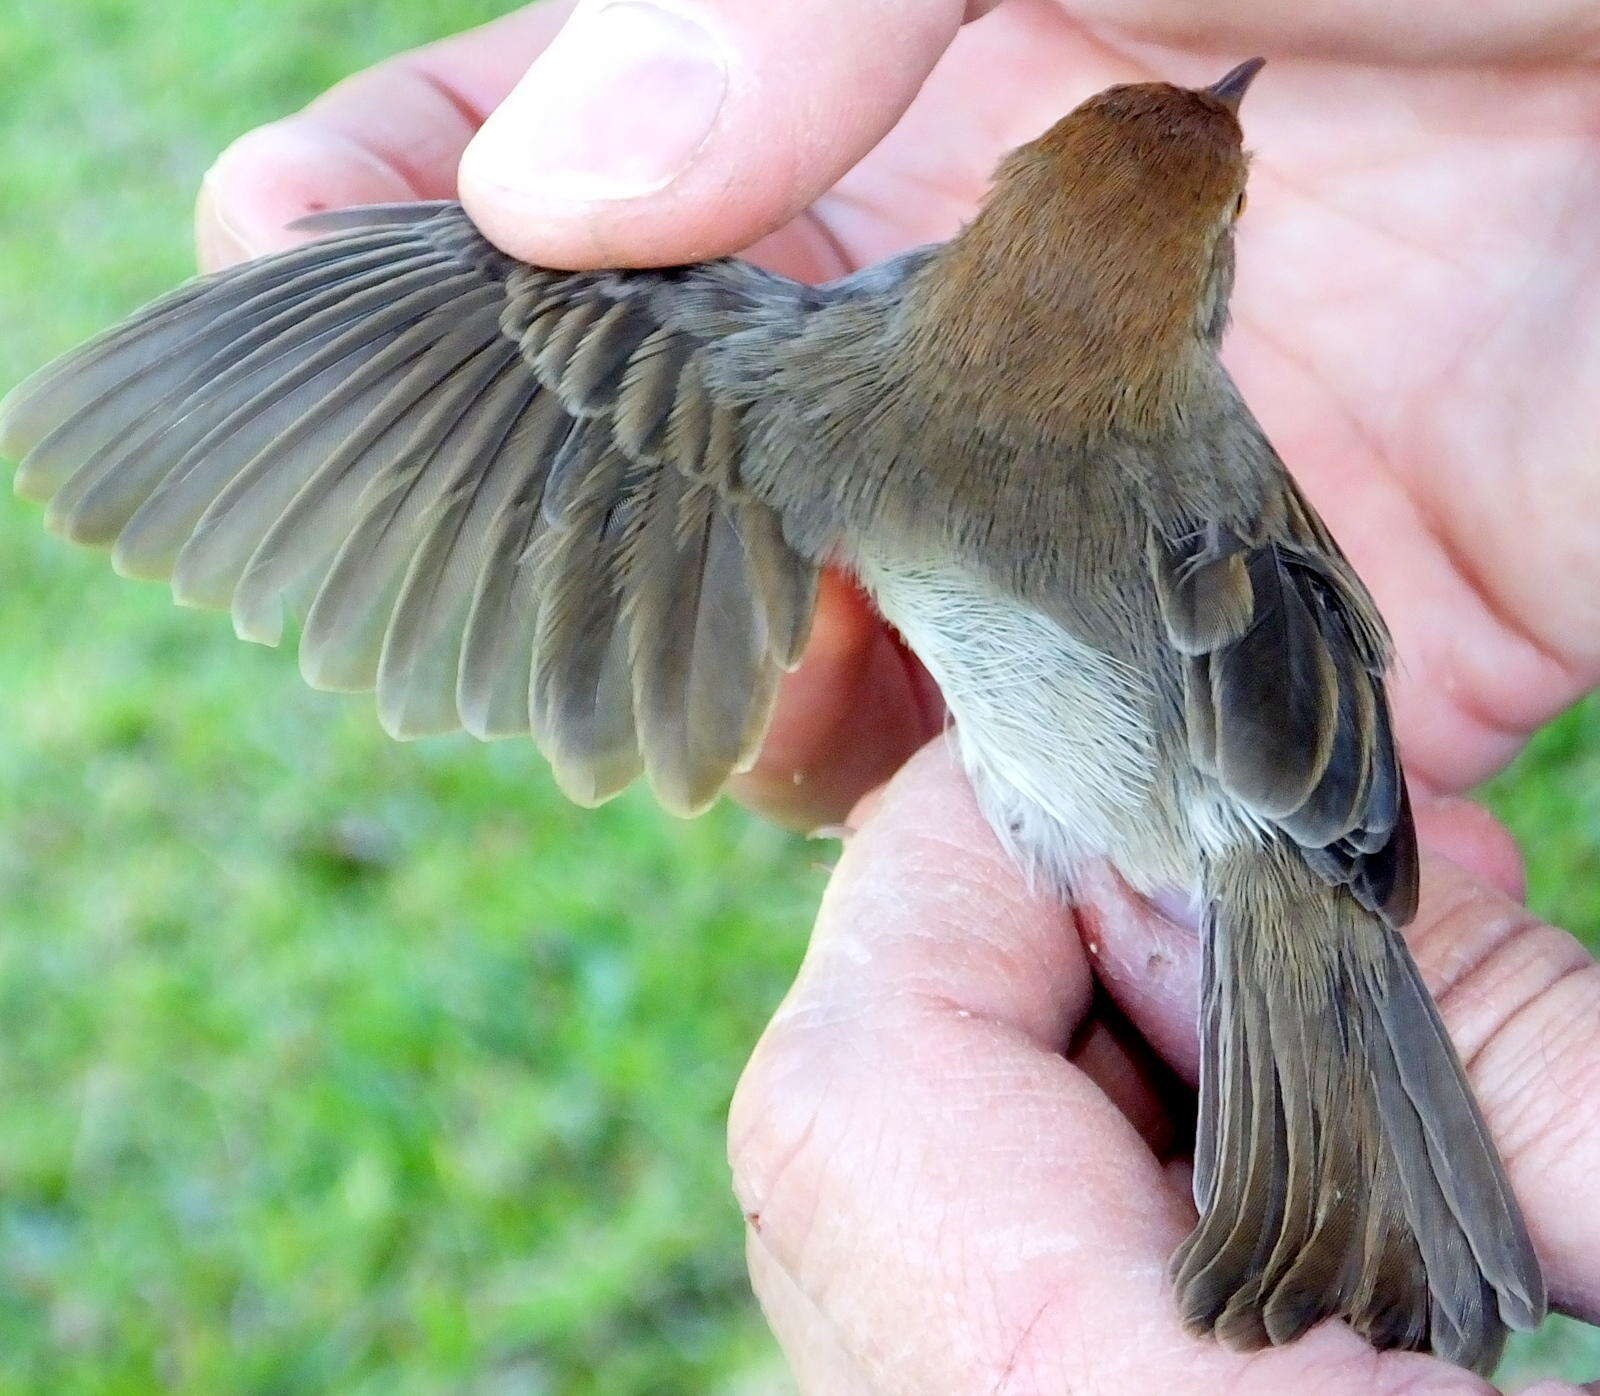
<point>332,1065</point>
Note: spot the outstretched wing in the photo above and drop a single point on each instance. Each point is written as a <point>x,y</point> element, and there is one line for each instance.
<point>506,498</point>
<point>1283,660</point>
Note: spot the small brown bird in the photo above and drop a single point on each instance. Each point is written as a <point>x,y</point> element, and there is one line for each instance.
<point>592,506</point>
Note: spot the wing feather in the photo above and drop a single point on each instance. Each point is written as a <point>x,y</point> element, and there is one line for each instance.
<point>1282,655</point>
<point>506,498</point>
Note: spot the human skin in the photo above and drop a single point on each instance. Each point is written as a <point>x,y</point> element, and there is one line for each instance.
<point>958,1178</point>
<point>1417,284</point>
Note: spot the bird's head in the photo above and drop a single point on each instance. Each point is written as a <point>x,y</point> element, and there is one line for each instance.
<point>1142,156</point>
<point>1108,241</point>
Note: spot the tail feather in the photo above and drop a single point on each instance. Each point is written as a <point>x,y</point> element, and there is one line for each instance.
<point>1460,1153</point>
<point>1341,1166</point>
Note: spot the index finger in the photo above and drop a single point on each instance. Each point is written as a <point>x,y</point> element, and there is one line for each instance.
<point>392,133</point>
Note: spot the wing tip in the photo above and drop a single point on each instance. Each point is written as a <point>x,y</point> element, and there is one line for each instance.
<point>404,721</point>
<point>125,562</point>
<point>401,729</point>
<point>584,787</point>
<point>318,668</point>
<point>683,796</point>
<point>16,438</point>
<point>193,589</point>
<point>33,486</point>
<point>486,718</point>
<point>256,626</point>
<point>78,526</point>
<point>477,725</point>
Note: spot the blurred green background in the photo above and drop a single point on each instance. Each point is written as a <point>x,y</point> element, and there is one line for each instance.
<point>330,1065</point>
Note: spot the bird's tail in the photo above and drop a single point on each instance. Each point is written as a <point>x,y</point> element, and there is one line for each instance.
<point>1341,1166</point>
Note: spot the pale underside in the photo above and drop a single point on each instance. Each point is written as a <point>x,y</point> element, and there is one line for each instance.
<point>1058,736</point>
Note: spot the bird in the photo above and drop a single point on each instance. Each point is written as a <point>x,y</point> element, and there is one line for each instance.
<point>592,507</point>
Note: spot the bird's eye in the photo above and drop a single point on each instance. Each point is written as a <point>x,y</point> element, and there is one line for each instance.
<point>1239,204</point>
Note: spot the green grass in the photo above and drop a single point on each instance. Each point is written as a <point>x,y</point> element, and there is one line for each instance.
<point>332,1065</point>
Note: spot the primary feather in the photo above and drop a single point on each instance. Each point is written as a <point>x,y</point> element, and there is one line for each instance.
<point>375,435</point>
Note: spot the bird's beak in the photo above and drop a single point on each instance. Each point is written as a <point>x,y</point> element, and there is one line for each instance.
<point>1230,90</point>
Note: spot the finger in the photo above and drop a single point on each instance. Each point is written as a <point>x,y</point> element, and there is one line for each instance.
<point>394,132</point>
<point>654,133</point>
<point>1472,838</point>
<point>818,1360</point>
<point>1555,31</point>
<point>967,1211</point>
<point>1521,1000</point>
<point>1125,1070</point>
<point>846,720</point>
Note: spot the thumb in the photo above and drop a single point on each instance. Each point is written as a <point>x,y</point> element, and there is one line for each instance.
<point>660,131</point>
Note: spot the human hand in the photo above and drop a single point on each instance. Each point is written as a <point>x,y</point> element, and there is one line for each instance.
<point>964,1170</point>
<point>1382,312</point>
<point>1413,308</point>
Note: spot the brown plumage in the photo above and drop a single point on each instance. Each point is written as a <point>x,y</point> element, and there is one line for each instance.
<point>591,506</point>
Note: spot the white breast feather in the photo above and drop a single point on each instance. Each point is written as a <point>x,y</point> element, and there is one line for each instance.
<point>1056,734</point>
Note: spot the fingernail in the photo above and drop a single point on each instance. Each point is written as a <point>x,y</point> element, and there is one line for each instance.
<point>616,108</point>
